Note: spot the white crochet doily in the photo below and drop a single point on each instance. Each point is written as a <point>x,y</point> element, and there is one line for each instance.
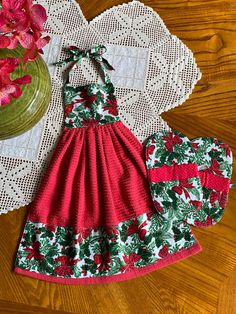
<point>155,72</point>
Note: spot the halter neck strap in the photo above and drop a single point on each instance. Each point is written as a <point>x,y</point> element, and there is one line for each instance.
<point>77,55</point>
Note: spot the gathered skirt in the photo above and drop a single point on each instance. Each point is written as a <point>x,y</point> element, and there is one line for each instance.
<point>93,218</point>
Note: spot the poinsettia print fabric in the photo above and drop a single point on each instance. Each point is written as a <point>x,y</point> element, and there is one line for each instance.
<point>85,253</point>
<point>169,148</point>
<point>199,200</point>
<point>90,105</point>
<point>176,200</point>
<point>93,104</point>
<point>214,159</point>
<point>213,156</point>
<point>174,182</point>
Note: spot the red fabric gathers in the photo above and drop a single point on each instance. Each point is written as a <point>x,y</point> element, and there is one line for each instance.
<point>97,177</point>
<point>171,173</point>
<point>214,182</point>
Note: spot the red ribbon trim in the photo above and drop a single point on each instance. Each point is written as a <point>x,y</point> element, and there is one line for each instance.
<point>175,172</point>
<point>214,182</point>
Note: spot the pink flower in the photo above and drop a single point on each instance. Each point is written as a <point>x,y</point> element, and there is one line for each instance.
<point>10,88</point>
<point>21,22</point>
<point>36,15</point>
<point>5,94</point>
<point>4,41</point>
<point>37,44</point>
<point>8,65</point>
<point>26,79</point>
<point>12,16</point>
<point>26,40</point>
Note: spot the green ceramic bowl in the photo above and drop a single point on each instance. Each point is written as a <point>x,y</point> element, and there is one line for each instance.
<point>22,113</point>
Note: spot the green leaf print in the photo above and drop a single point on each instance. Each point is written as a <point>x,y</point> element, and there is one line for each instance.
<point>176,230</point>
<point>187,236</point>
<point>57,254</point>
<point>179,236</point>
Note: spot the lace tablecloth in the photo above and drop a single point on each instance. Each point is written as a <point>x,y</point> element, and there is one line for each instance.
<point>155,72</point>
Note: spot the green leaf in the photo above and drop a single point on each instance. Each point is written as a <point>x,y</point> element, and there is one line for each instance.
<point>163,157</point>
<point>27,240</point>
<point>172,195</point>
<point>72,115</point>
<point>195,192</point>
<point>187,236</point>
<point>176,230</point>
<point>87,251</point>
<point>114,249</point>
<point>179,236</point>
<point>45,267</point>
<point>167,204</point>
<point>159,242</point>
<point>33,238</point>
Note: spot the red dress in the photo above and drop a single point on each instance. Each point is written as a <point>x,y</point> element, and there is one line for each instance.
<point>92,219</point>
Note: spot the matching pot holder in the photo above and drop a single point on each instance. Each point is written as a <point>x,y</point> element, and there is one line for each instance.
<point>189,180</point>
<point>214,159</point>
<point>173,176</point>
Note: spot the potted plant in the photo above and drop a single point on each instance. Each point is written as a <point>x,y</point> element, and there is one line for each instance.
<point>25,85</point>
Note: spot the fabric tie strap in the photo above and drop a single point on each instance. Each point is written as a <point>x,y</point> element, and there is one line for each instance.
<point>77,55</point>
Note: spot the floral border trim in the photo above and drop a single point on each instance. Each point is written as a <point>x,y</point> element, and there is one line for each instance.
<point>64,252</point>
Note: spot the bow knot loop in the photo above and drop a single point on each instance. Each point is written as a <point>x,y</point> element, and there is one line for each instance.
<point>78,55</point>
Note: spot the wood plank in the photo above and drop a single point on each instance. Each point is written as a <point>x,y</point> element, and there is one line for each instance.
<point>17,308</point>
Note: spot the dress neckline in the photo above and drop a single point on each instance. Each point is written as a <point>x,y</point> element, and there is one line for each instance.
<point>95,53</point>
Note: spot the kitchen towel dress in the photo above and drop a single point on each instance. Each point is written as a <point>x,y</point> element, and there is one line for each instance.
<point>93,219</point>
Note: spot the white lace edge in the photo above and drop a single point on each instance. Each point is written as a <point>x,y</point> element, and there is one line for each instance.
<point>100,16</point>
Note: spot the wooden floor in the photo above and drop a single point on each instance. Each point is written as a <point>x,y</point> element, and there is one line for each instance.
<point>205,283</point>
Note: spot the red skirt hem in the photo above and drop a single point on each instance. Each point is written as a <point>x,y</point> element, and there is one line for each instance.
<point>171,259</point>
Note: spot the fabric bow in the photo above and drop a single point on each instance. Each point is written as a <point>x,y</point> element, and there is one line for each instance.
<point>78,55</point>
